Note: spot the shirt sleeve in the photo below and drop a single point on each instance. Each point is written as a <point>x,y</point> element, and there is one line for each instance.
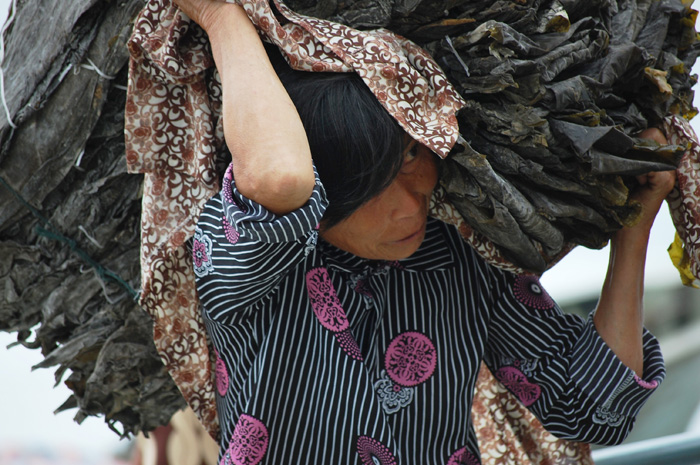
<point>241,250</point>
<point>560,368</point>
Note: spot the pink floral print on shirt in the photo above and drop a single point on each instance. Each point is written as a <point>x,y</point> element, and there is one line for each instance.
<point>373,452</point>
<point>528,290</point>
<point>463,457</point>
<point>410,359</point>
<point>248,443</point>
<point>221,375</point>
<point>201,254</point>
<point>517,382</point>
<point>329,311</point>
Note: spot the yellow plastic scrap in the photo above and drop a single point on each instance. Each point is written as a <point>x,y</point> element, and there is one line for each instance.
<point>681,261</point>
<point>658,77</point>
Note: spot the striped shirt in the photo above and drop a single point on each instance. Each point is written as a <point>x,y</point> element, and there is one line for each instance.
<point>326,358</point>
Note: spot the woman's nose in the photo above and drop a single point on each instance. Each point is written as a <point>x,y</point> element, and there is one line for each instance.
<point>406,199</point>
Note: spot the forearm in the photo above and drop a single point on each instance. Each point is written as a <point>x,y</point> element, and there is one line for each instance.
<point>580,388</point>
<point>619,315</point>
<point>271,156</point>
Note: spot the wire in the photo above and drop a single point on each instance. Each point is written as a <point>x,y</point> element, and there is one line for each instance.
<point>46,229</point>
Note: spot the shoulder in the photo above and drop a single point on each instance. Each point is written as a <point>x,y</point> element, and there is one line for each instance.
<point>449,236</point>
<point>481,274</point>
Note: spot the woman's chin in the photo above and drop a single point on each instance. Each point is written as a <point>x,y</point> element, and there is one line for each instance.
<point>404,248</point>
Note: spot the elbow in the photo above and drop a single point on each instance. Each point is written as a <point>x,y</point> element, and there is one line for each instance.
<point>290,191</point>
<point>280,189</point>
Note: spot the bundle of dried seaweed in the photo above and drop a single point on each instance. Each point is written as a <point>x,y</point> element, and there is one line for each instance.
<point>556,91</point>
<point>69,214</point>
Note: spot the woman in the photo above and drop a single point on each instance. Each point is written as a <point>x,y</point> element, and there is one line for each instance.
<point>352,331</point>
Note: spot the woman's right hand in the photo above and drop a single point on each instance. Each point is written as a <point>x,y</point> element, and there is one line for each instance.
<point>203,12</point>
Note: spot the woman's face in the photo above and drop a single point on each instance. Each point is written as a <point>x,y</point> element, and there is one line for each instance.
<point>391,226</point>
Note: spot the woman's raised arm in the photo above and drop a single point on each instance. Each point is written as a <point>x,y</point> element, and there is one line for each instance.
<point>271,157</point>
<point>618,316</point>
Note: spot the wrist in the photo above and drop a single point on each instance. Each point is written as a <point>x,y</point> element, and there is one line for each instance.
<point>633,239</point>
<point>235,43</point>
<point>225,23</point>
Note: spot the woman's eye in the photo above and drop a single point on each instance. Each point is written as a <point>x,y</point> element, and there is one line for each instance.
<point>411,154</point>
<point>409,157</point>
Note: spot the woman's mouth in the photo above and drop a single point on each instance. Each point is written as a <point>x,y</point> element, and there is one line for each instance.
<point>418,233</point>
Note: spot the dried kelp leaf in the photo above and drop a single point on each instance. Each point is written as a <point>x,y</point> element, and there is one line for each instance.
<point>656,23</point>
<point>520,44</point>
<point>80,345</point>
<point>658,77</point>
<point>605,163</point>
<point>628,117</point>
<point>489,217</point>
<point>147,381</point>
<point>577,9</point>
<point>562,206</point>
<point>513,122</point>
<point>507,196</point>
<point>511,164</point>
<point>591,112</point>
<point>562,58</point>
<point>576,92</point>
<point>442,28</point>
<point>363,14</point>
<point>610,189</point>
<point>489,84</point>
<point>554,19</point>
<point>618,62</point>
<point>577,138</point>
<point>646,149</point>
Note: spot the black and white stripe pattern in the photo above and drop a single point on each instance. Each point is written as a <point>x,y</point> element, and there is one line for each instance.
<point>308,400</point>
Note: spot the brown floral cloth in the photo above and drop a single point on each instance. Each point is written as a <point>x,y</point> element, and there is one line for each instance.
<point>684,200</point>
<point>173,135</point>
<point>510,435</point>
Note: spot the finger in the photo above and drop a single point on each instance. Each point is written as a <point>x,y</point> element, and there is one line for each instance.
<point>661,179</point>
<point>642,179</point>
<point>667,180</point>
<point>654,134</point>
<point>656,188</point>
<point>203,12</point>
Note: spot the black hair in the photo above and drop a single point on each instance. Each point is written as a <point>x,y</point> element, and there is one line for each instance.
<point>355,143</point>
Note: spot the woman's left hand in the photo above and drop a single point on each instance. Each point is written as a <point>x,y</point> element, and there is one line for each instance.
<point>653,187</point>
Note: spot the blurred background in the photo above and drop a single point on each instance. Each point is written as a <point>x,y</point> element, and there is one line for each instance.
<point>31,434</point>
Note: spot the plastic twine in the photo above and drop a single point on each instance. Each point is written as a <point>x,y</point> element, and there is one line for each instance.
<point>46,229</point>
